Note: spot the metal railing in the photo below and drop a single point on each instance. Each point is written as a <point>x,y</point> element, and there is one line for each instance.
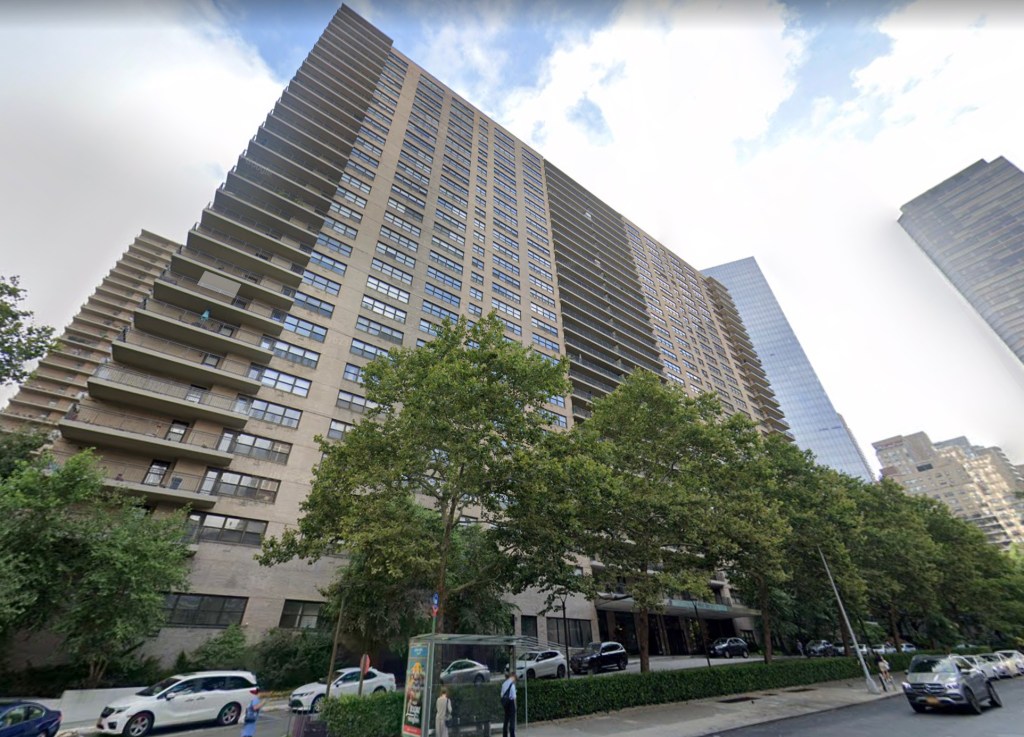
<point>241,303</point>
<point>146,475</point>
<point>187,352</point>
<point>250,248</point>
<point>227,267</point>
<point>172,389</point>
<point>144,426</point>
<point>194,319</point>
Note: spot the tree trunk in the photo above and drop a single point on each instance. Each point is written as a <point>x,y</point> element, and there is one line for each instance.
<point>766,624</point>
<point>894,627</point>
<point>847,638</point>
<point>643,639</point>
<point>442,573</point>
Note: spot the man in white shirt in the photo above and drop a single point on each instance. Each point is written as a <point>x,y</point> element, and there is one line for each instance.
<point>508,704</point>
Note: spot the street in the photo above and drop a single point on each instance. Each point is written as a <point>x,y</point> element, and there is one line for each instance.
<point>894,717</point>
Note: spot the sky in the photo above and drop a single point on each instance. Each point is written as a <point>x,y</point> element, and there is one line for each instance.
<point>789,131</point>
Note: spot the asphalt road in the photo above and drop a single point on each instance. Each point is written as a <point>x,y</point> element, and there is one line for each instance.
<point>894,718</point>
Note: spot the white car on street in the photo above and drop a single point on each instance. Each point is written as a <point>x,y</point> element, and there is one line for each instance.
<point>974,661</point>
<point>1014,659</point>
<point>541,664</point>
<point>206,696</point>
<point>346,681</point>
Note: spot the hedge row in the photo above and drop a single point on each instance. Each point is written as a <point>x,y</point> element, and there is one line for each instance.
<point>381,715</point>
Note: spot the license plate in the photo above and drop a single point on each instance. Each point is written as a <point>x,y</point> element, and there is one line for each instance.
<point>932,700</point>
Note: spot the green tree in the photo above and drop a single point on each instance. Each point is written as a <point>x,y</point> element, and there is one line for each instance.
<point>95,566</point>
<point>20,341</point>
<point>17,448</point>
<point>451,425</point>
<point>652,525</point>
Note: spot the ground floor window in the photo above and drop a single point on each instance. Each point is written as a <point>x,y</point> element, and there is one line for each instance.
<point>579,631</point>
<point>300,614</point>
<point>203,610</point>
<point>529,626</point>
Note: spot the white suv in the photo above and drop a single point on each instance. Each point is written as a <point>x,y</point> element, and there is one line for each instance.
<point>206,696</point>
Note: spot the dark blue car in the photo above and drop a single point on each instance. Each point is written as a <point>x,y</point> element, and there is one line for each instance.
<point>27,719</point>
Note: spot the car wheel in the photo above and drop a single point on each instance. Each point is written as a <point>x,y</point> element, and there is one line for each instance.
<point>478,679</point>
<point>593,669</point>
<point>531,673</point>
<point>229,715</point>
<point>745,653</point>
<point>380,689</point>
<point>728,653</point>
<point>317,705</point>
<point>622,664</point>
<point>919,708</point>
<point>993,697</point>
<point>972,702</point>
<point>139,725</point>
<point>561,671</point>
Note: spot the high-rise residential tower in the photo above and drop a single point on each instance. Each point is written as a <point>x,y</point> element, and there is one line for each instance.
<point>977,484</point>
<point>371,204</point>
<point>972,227</point>
<point>813,421</point>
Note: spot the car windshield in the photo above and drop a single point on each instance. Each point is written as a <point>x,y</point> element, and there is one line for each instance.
<point>529,656</point>
<point>931,665</point>
<point>719,641</point>
<point>594,647</point>
<point>158,687</point>
<point>990,657</point>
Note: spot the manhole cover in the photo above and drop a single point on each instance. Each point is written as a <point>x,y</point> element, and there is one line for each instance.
<point>798,690</point>
<point>738,700</point>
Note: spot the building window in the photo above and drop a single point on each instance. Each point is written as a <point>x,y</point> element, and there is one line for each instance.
<point>220,529</point>
<point>203,610</point>
<point>383,308</point>
<point>579,631</point>
<point>278,414</point>
<point>321,282</point>
<point>254,446</point>
<point>354,402</point>
<point>290,352</point>
<point>280,380</point>
<point>366,350</point>
<point>529,626</point>
<point>301,615</point>
<point>305,328</point>
<point>376,329</point>
<point>338,429</point>
<point>156,473</point>
<point>231,483</point>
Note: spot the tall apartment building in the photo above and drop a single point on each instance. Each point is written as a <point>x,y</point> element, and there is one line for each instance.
<point>977,484</point>
<point>371,204</point>
<point>972,227</point>
<point>813,421</point>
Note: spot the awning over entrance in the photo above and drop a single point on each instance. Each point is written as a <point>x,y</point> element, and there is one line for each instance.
<point>680,607</point>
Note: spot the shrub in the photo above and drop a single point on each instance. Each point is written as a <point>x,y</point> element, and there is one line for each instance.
<point>376,715</point>
<point>225,651</point>
<point>285,658</point>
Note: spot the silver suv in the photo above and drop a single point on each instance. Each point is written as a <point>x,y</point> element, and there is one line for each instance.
<point>940,681</point>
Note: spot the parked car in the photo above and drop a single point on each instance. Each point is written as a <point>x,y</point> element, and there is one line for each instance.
<point>907,647</point>
<point>726,647</point>
<point>1015,658</point>
<point>599,655</point>
<point>541,664</point>
<point>999,666</point>
<point>346,681</point>
<point>978,663</point>
<point>818,649</point>
<point>884,649</point>
<point>465,671</point>
<point>28,719</point>
<point>206,696</point>
<point>944,681</point>
<point>838,648</point>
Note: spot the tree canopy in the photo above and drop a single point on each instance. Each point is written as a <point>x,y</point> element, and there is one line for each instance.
<point>20,340</point>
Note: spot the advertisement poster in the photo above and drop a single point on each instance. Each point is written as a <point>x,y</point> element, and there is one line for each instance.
<point>415,687</point>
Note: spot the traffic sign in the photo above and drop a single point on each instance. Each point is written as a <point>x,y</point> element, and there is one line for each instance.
<point>364,664</point>
<point>435,600</point>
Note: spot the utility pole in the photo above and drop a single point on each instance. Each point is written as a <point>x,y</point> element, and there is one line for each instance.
<point>869,681</point>
<point>703,634</point>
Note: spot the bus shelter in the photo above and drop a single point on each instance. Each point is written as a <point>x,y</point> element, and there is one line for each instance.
<point>472,668</point>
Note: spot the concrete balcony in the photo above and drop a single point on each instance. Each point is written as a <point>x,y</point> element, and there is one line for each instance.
<point>152,354</point>
<point>237,225</point>
<point>120,385</point>
<point>250,256</point>
<point>180,488</point>
<point>97,427</point>
<point>192,328</point>
<point>255,286</point>
<point>207,298</point>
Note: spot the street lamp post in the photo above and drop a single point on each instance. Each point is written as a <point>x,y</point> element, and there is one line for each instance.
<point>869,681</point>
<point>565,633</point>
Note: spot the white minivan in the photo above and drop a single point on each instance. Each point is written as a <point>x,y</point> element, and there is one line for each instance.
<point>205,696</point>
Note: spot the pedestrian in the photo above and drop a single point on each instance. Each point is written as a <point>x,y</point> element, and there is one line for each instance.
<point>252,713</point>
<point>883,671</point>
<point>508,704</point>
<point>442,713</point>
<point>800,647</point>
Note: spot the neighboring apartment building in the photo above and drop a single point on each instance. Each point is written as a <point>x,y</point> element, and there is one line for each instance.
<point>813,421</point>
<point>977,484</point>
<point>972,227</point>
<point>371,204</point>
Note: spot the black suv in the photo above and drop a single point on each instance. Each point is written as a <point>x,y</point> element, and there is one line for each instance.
<point>729,646</point>
<point>599,655</point>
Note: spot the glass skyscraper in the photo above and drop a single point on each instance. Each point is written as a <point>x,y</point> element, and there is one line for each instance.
<point>813,421</point>
<point>972,227</point>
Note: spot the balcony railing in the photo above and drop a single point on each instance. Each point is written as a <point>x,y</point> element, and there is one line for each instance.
<point>172,389</point>
<point>241,303</point>
<point>128,473</point>
<point>185,352</point>
<point>227,267</point>
<point>250,248</point>
<point>143,426</point>
<point>194,319</point>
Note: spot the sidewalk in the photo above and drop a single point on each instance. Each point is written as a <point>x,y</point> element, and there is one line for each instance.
<point>712,716</point>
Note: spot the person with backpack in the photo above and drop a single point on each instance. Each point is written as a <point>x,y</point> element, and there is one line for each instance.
<point>508,704</point>
<point>252,713</point>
